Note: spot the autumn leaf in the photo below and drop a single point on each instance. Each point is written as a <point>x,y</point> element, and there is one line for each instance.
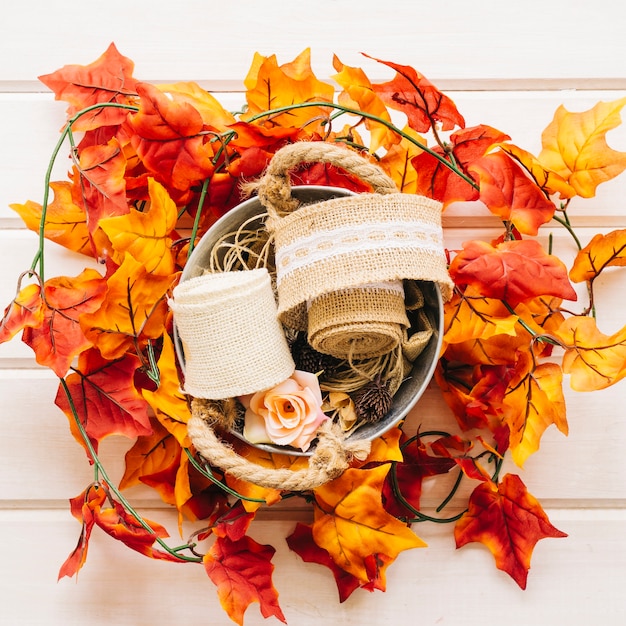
<point>270,86</point>
<point>602,251</point>
<point>59,338</point>
<point>398,162</point>
<point>234,523</point>
<point>414,95</point>
<point>351,523</point>
<point>168,139</point>
<point>104,397</point>
<point>66,222</point>
<point>592,359</point>
<point>108,80</point>
<point>90,509</point>
<point>533,402</point>
<point>465,145</point>
<point>146,235</point>
<point>133,311</point>
<point>26,310</point>
<point>509,193</point>
<point>101,169</point>
<point>513,271</point>
<point>575,147</point>
<point>242,572</point>
<point>546,179</point>
<point>509,521</point>
<point>358,93</point>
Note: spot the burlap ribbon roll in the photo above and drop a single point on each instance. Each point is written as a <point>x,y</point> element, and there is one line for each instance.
<point>232,340</point>
<point>338,246</point>
<point>358,323</point>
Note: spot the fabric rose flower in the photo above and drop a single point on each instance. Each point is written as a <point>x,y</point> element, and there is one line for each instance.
<point>288,414</point>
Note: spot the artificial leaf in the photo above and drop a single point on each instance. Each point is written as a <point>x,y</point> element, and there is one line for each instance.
<point>146,235</point>
<point>168,139</point>
<point>101,169</point>
<point>457,449</point>
<point>385,448</point>
<point>26,310</point>
<point>602,251</point>
<point>270,86</point>
<point>168,402</point>
<point>592,359</point>
<point>351,523</point>
<point>549,181</point>
<point>59,337</point>
<point>234,523</point>
<point>533,402</point>
<point>466,145</point>
<point>90,509</point>
<point>399,162</point>
<point>104,397</point>
<point>212,112</point>
<point>470,315</point>
<point>358,93</point>
<point>575,147</point>
<point>108,80</point>
<point>65,223</point>
<point>509,521</point>
<point>242,572</point>
<point>133,311</point>
<point>414,95</point>
<point>302,543</point>
<point>513,271</point>
<point>509,193</point>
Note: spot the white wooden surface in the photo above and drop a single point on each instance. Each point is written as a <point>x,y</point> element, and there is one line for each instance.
<point>506,64</point>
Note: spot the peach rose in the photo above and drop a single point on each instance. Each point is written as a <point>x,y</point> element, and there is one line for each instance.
<point>289,414</point>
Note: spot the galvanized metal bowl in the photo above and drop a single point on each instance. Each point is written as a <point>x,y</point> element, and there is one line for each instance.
<point>411,389</point>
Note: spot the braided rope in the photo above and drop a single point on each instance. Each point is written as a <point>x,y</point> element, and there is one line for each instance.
<point>331,457</point>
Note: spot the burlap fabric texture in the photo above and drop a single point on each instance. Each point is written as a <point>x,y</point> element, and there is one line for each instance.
<point>232,340</point>
<point>344,244</point>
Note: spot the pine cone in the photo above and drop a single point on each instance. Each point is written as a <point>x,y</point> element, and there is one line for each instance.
<point>308,359</point>
<point>373,401</point>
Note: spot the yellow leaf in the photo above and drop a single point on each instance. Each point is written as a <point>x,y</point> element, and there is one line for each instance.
<point>358,93</point>
<point>575,147</point>
<point>602,251</point>
<point>146,235</point>
<point>592,359</point>
<point>398,162</point>
<point>351,523</point>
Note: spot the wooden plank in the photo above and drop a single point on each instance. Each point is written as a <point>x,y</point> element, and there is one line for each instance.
<point>492,40</point>
<point>577,580</point>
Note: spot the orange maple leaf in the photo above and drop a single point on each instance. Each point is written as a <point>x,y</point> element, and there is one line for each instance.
<point>90,509</point>
<point>107,80</point>
<point>602,251</point>
<point>414,95</point>
<point>509,193</point>
<point>242,571</point>
<point>514,271</point>
<point>133,312</point>
<point>575,147</point>
<point>59,337</point>
<point>399,162</point>
<point>592,359</point>
<point>509,521</point>
<point>26,310</point>
<point>351,523</point>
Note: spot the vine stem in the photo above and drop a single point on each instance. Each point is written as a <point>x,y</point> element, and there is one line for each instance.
<point>99,471</point>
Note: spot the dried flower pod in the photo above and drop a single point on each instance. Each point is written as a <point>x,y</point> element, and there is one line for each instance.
<point>373,401</point>
<point>308,359</point>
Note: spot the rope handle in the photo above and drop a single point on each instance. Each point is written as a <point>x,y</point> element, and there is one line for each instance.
<point>331,457</point>
<point>274,188</point>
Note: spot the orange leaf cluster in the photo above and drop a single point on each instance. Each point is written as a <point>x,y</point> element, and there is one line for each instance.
<point>153,167</point>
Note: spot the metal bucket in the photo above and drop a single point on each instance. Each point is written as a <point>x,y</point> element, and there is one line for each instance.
<point>424,366</point>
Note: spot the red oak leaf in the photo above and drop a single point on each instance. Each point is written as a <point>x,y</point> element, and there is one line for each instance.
<point>242,571</point>
<point>509,521</point>
<point>514,271</point>
<point>107,80</point>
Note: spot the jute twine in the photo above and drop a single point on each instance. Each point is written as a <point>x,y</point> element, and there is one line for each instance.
<point>348,242</point>
<point>232,341</point>
<point>331,457</point>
